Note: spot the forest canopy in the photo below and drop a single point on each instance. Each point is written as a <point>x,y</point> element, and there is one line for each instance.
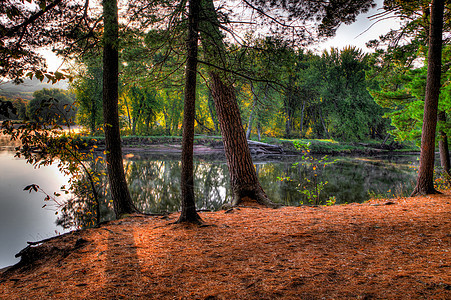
<point>341,94</point>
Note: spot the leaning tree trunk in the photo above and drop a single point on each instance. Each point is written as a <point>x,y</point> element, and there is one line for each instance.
<point>122,200</point>
<point>189,213</point>
<point>243,178</point>
<point>425,180</point>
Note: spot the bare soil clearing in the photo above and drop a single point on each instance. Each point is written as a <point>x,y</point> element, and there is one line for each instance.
<point>378,250</point>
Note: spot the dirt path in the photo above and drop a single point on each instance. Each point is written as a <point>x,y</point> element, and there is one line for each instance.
<point>356,251</point>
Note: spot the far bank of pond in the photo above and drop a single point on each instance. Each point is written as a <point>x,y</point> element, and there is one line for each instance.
<point>213,145</point>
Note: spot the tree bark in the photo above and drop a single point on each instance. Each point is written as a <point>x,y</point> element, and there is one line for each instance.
<point>425,184</point>
<point>189,213</point>
<point>243,177</point>
<point>122,201</point>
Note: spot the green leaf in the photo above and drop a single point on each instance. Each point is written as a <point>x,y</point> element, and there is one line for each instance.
<point>39,75</point>
<point>42,4</point>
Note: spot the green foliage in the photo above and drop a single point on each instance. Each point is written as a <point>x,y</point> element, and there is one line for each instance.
<point>324,145</point>
<point>12,109</point>
<point>52,105</point>
<point>331,201</point>
<point>442,180</point>
<point>7,108</point>
<point>282,91</point>
<point>46,144</point>
<point>144,107</point>
<point>345,109</point>
<point>400,69</point>
<point>87,87</point>
<point>152,73</point>
<point>312,189</point>
<point>311,186</point>
<point>402,91</point>
<point>306,95</point>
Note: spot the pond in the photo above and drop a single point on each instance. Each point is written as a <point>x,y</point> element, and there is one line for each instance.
<point>155,187</point>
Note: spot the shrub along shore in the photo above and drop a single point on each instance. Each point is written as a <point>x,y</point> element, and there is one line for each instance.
<point>283,146</point>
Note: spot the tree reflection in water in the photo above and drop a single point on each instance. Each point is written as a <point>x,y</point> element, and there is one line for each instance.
<point>79,209</point>
<point>155,183</point>
<point>349,179</point>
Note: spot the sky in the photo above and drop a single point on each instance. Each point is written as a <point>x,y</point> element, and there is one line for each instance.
<point>356,34</point>
<point>361,31</point>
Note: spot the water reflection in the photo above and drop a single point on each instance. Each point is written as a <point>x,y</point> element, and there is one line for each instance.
<point>22,217</point>
<point>155,187</point>
<point>348,179</point>
<point>155,184</point>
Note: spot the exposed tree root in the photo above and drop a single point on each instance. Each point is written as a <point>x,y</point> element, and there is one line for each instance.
<point>189,219</point>
<point>252,194</point>
<point>420,192</point>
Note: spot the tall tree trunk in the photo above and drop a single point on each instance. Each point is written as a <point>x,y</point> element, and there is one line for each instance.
<point>149,117</point>
<point>129,118</point>
<point>93,116</point>
<point>134,125</point>
<point>289,110</point>
<point>136,118</point>
<point>167,125</point>
<point>212,112</point>
<point>251,115</point>
<point>259,129</point>
<point>425,184</point>
<point>288,122</point>
<point>443,145</point>
<point>167,120</point>
<point>122,200</point>
<point>326,132</point>
<point>243,178</point>
<point>174,119</point>
<point>301,127</point>
<point>189,213</point>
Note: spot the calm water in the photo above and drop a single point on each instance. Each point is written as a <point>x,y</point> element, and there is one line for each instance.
<point>154,185</point>
<point>22,217</point>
